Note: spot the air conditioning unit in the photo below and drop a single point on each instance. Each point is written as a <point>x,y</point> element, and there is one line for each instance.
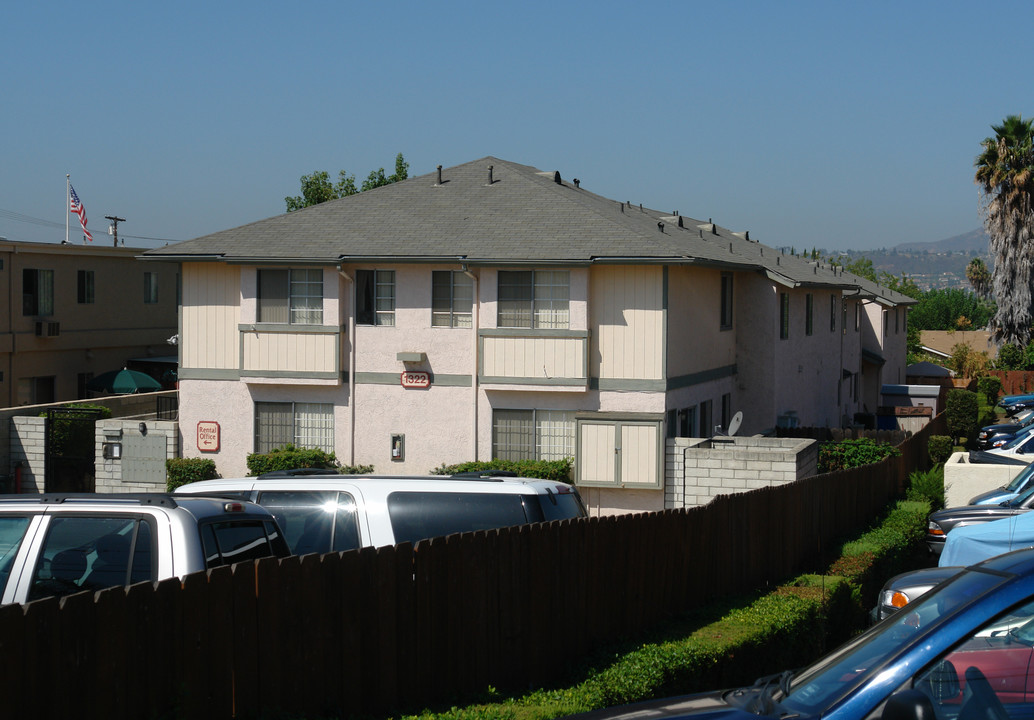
<point>47,329</point>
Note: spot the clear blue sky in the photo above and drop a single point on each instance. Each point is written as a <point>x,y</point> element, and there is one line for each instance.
<point>837,125</point>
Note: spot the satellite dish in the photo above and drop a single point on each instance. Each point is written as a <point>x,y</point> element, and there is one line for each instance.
<point>734,424</point>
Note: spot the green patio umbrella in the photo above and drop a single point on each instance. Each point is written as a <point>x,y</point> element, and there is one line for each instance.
<point>123,382</point>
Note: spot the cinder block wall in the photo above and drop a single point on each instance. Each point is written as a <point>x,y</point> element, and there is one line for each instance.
<point>28,440</point>
<point>697,469</point>
<point>146,444</point>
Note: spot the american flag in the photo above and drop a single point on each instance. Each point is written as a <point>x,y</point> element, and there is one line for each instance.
<point>77,207</point>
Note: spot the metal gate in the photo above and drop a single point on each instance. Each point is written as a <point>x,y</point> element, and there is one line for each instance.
<point>69,449</point>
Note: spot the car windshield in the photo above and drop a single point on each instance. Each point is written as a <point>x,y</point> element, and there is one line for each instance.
<point>825,682</point>
<point>1018,482</point>
<point>1021,500</point>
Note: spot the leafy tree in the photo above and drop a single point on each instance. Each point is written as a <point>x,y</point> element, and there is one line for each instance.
<point>317,187</point>
<point>862,267</point>
<point>941,309</point>
<point>1009,357</point>
<point>1005,176</point>
<point>961,411</point>
<point>979,277</point>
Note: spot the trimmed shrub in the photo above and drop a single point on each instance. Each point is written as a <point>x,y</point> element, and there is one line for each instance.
<point>940,447</point>
<point>559,470</point>
<point>846,454</point>
<point>991,387</point>
<point>290,457</point>
<point>961,411</point>
<point>180,471</point>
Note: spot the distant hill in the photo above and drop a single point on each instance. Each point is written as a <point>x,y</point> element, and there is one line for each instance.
<point>975,241</point>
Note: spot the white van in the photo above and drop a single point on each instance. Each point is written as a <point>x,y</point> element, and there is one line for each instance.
<point>322,513</point>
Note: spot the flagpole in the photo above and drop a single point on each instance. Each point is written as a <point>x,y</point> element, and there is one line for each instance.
<point>68,195</point>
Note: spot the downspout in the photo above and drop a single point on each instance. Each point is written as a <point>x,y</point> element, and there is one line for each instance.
<point>351,365</point>
<point>475,324</point>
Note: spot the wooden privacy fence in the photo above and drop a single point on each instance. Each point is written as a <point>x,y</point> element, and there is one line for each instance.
<point>396,628</point>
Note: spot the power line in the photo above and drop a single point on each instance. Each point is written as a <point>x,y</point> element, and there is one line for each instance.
<point>19,217</point>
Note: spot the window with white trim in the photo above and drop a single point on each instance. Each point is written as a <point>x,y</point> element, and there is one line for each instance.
<point>452,299</point>
<point>532,434</point>
<point>534,299</point>
<point>375,297</point>
<point>292,296</point>
<point>305,425</point>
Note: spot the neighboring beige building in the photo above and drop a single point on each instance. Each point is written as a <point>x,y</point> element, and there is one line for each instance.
<point>493,310</point>
<point>76,311</point>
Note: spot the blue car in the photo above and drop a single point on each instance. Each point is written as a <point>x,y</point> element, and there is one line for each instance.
<point>963,650</point>
<point>1023,481</point>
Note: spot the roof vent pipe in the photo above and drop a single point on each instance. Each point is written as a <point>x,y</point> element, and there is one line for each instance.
<point>490,180</point>
<point>556,177</point>
<point>680,220</point>
<point>622,208</point>
<point>747,235</point>
<point>777,260</point>
<point>577,182</point>
<point>714,229</point>
<point>660,226</point>
<point>730,247</point>
<point>439,175</point>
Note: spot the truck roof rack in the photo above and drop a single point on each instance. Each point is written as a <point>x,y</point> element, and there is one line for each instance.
<point>162,499</point>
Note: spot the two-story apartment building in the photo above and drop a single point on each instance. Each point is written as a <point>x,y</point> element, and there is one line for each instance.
<point>490,310</point>
<point>75,311</point>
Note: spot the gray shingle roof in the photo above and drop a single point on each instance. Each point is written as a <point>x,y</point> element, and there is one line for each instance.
<point>525,216</point>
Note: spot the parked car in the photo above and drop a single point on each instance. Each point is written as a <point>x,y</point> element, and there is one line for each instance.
<point>963,650</point>
<point>54,545</point>
<point>939,524</point>
<point>991,436</point>
<point>1019,448</point>
<point>328,513</point>
<point>902,589</point>
<point>967,545</point>
<point>1014,404</point>
<point>1023,481</point>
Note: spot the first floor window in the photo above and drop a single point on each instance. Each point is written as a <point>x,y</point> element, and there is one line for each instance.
<point>307,425</point>
<point>290,296</point>
<point>688,422</point>
<point>452,299</point>
<point>534,299</point>
<point>85,288</point>
<point>37,292</point>
<point>532,434</point>
<point>150,288</point>
<point>705,418</point>
<point>375,297</point>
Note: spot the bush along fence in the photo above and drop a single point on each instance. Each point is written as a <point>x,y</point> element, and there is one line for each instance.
<point>376,631</point>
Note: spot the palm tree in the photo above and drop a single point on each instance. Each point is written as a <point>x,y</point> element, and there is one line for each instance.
<point>979,277</point>
<point>1005,175</point>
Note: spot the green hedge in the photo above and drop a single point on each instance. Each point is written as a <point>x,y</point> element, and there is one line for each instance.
<point>961,411</point>
<point>844,454</point>
<point>940,448</point>
<point>559,470</point>
<point>180,471</point>
<point>783,629</point>
<point>289,457</point>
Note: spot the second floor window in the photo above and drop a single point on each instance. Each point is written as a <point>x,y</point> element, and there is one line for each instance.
<point>726,316</point>
<point>452,299</point>
<point>150,288</point>
<point>375,297</point>
<point>534,299</point>
<point>291,296</point>
<point>784,316</point>
<point>37,292</point>
<point>809,317</point>
<point>85,288</point>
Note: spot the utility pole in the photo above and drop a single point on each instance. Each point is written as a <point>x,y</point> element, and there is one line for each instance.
<point>115,220</point>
